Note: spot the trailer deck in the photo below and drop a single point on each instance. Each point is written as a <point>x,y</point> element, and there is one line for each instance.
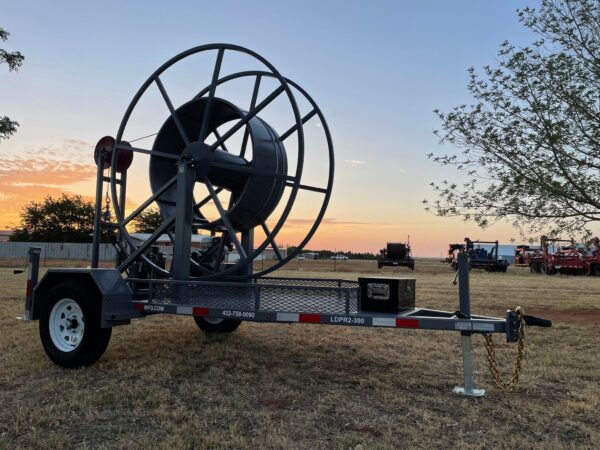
<point>290,300</point>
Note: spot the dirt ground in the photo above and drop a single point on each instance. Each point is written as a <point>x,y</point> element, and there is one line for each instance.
<point>163,384</point>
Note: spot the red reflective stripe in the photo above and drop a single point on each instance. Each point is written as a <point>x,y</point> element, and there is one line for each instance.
<point>200,311</point>
<point>407,323</point>
<point>310,318</point>
<point>28,289</point>
<point>138,306</point>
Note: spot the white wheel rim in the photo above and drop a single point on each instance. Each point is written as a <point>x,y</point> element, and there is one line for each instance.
<point>66,325</point>
<point>213,320</point>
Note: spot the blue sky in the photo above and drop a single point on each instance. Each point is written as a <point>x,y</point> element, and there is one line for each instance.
<point>377,70</point>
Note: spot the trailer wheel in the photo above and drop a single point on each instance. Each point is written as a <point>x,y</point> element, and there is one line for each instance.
<point>595,269</point>
<point>70,326</point>
<point>216,325</point>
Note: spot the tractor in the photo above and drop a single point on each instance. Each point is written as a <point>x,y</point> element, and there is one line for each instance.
<point>480,257</point>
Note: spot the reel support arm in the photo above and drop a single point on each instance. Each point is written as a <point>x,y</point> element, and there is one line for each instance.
<point>183,224</point>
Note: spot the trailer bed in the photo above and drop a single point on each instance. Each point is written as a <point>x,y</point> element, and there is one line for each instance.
<point>290,300</point>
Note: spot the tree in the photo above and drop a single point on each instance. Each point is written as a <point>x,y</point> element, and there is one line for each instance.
<point>148,221</point>
<point>14,60</point>
<point>530,142</point>
<point>66,219</point>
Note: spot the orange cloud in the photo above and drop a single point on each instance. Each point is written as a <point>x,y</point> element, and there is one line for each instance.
<point>292,222</point>
<point>25,180</point>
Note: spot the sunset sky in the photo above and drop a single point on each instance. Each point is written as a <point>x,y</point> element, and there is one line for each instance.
<point>376,69</point>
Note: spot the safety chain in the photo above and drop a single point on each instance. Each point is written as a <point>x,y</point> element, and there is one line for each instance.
<point>491,357</point>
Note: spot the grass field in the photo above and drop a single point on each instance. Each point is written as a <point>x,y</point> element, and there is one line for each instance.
<point>163,384</point>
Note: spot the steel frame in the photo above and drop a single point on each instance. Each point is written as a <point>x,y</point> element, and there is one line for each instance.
<point>411,318</point>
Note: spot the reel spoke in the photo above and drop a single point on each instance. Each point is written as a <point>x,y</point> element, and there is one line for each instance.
<point>151,199</point>
<point>273,244</point>
<point>308,188</point>
<point>218,136</point>
<point>209,252</point>
<point>220,251</point>
<point>211,95</point>
<point>205,200</point>
<point>253,112</point>
<point>166,225</point>
<point>225,219</point>
<point>252,171</point>
<point>149,152</point>
<point>305,119</point>
<point>174,115</point>
<point>252,105</point>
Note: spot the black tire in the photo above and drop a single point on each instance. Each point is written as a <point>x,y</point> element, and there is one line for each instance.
<point>213,326</point>
<point>595,270</point>
<point>92,341</point>
<point>533,268</point>
<point>504,269</point>
<point>454,266</point>
<point>544,269</point>
<point>379,266</point>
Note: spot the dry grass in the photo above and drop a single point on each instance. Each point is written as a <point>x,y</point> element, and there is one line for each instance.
<point>163,384</point>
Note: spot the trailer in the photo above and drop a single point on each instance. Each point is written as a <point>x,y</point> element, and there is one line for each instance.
<point>553,258</point>
<point>523,255</point>
<point>480,257</point>
<point>77,308</point>
<point>396,254</point>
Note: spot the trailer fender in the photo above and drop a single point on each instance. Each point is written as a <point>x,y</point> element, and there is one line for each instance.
<point>107,285</point>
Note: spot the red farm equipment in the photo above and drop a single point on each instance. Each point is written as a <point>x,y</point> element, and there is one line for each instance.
<point>524,253</point>
<point>554,258</point>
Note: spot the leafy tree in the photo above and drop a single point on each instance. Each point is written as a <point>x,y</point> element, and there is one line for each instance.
<point>14,60</point>
<point>66,219</point>
<point>148,221</point>
<point>530,142</point>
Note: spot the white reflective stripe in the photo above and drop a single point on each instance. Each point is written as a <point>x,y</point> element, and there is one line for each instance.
<point>462,325</point>
<point>184,310</point>
<point>384,322</point>
<point>287,317</point>
<point>483,326</point>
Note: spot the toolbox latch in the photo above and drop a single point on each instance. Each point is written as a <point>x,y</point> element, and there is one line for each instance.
<point>378,291</point>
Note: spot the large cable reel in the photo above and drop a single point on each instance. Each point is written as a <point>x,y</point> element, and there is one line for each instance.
<point>256,185</point>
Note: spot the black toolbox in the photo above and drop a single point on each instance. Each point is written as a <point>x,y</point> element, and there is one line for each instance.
<point>386,295</point>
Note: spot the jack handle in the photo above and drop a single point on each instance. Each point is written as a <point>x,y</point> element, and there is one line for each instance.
<point>537,321</point>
